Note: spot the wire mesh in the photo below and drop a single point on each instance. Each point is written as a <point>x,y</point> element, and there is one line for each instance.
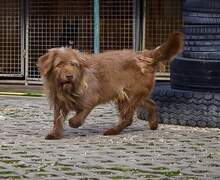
<point>55,23</point>
<point>116,23</point>
<point>10,38</point>
<point>162,18</point>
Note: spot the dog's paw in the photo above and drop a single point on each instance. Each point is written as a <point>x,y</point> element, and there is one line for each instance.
<point>153,124</point>
<point>52,136</point>
<point>74,123</point>
<point>111,131</point>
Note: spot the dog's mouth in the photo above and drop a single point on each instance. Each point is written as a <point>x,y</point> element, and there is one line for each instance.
<point>65,82</point>
<point>67,86</point>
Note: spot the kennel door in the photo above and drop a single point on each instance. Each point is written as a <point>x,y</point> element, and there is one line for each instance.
<point>11,58</point>
<point>55,23</point>
<point>116,24</point>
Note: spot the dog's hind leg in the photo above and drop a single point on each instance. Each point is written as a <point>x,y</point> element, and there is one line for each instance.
<point>79,118</point>
<point>57,131</point>
<point>126,111</point>
<point>152,114</point>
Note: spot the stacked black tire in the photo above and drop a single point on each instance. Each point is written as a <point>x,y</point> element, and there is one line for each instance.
<point>186,108</point>
<point>199,66</point>
<point>193,99</point>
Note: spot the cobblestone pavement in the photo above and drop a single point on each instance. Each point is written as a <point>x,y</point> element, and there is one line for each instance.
<point>172,152</point>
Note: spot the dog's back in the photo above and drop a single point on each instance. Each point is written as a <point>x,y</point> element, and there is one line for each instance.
<point>131,72</point>
<point>118,73</point>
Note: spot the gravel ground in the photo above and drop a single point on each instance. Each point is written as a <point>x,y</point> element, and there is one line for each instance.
<point>171,152</point>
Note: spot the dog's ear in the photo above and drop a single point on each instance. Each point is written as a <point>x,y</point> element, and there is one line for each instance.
<point>81,59</point>
<point>45,62</point>
<point>170,49</point>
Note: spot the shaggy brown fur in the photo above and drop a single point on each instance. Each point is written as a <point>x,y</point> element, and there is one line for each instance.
<point>78,82</point>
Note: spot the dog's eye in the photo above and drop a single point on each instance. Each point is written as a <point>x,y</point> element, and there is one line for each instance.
<point>74,64</point>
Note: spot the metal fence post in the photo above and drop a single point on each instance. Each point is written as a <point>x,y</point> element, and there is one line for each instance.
<point>136,25</point>
<point>96,27</point>
<point>144,24</point>
<point>22,23</point>
<point>26,16</point>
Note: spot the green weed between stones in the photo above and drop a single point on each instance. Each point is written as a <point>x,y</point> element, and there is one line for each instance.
<point>119,177</point>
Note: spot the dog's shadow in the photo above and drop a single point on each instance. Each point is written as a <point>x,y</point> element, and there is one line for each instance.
<point>99,129</point>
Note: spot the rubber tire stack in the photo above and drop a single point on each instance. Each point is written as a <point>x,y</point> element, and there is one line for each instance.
<point>186,108</point>
<point>194,96</point>
<point>199,66</point>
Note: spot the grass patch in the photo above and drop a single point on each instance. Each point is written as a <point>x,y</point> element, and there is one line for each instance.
<point>104,172</point>
<point>149,176</point>
<point>4,146</point>
<point>9,161</point>
<point>127,169</point>
<point>46,175</point>
<point>7,173</point>
<point>160,168</point>
<point>91,167</point>
<point>75,174</point>
<point>21,166</point>
<point>171,173</point>
<point>1,167</point>
<point>119,177</point>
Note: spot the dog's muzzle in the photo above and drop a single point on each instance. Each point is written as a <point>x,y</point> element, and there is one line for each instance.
<point>68,87</point>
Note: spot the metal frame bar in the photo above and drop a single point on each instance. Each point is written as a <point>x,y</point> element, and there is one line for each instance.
<point>143,24</point>
<point>22,19</point>
<point>137,28</point>
<point>96,26</point>
<point>134,25</point>
<point>11,75</point>
<point>23,82</point>
<point>26,41</point>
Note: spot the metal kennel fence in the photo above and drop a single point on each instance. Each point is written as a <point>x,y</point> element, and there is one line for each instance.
<point>11,39</point>
<point>116,24</point>
<point>30,27</point>
<point>161,17</point>
<point>54,24</point>
<point>63,23</point>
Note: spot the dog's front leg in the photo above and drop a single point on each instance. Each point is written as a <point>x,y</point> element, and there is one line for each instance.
<point>57,131</point>
<point>79,118</point>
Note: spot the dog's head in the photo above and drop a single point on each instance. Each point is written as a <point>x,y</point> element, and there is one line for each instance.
<point>62,66</point>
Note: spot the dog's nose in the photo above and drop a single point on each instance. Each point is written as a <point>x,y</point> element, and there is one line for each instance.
<point>69,76</point>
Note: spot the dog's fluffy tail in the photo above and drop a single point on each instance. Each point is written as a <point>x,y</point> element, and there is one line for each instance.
<point>168,50</point>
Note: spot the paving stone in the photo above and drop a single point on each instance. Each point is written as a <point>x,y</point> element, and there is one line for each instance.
<point>171,152</point>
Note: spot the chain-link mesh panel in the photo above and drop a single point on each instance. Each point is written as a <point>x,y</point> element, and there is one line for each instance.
<point>162,18</point>
<point>54,23</point>
<point>10,38</point>
<point>116,23</point>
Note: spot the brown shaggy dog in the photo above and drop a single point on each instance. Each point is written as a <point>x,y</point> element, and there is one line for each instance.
<point>78,82</point>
